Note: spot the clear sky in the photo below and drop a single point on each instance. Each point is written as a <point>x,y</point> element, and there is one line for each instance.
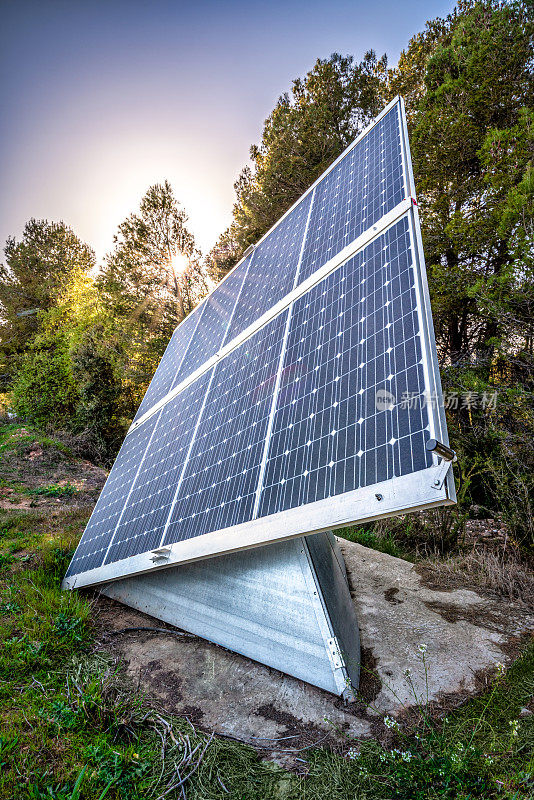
<point>100,99</point>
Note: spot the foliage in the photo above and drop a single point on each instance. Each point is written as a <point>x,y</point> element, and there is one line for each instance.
<point>55,490</point>
<point>153,278</point>
<point>35,272</point>
<point>150,281</point>
<point>44,390</point>
<point>368,537</point>
<point>102,410</point>
<point>468,94</point>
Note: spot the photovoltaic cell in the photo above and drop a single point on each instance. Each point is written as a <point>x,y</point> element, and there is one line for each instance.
<point>216,315</point>
<point>354,334</point>
<point>222,474</point>
<point>273,268</point>
<point>97,536</point>
<point>366,184</point>
<point>166,373</point>
<point>148,506</point>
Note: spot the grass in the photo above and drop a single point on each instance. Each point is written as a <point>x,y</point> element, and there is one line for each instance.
<point>14,436</point>
<point>368,537</point>
<point>73,727</point>
<point>54,490</point>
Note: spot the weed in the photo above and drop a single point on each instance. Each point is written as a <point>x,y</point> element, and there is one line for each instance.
<point>54,490</point>
<point>369,538</point>
<point>7,746</point>
<point>9,607</point>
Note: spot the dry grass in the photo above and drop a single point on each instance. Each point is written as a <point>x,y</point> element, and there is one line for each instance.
<point>501,572</point>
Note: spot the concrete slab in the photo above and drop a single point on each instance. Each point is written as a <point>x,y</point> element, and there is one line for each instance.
<point>464,634</point>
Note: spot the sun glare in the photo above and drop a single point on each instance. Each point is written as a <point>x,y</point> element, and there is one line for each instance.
<point>179,263</point>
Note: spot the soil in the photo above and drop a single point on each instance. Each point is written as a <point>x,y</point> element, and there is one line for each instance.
<point>37,474</point>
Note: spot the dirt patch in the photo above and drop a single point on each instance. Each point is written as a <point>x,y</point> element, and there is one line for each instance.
<point>296,734</point>
<point>36,474</point>
<point>515,645</point>
<point>370,683</point>
<point>269,711</point>
<point>165,682</point>
<point>433,577</point>
<point>391,596</point>
<point>486,618</point>
<point>193,713</point>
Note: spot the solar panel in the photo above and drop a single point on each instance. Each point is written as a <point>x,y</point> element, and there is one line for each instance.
<point>328,436</point>
<point>169,366</point>
<point>97,536</point>
<point>360,189</point>
<point>196,339</point>
<point>272,273</point>
<point>300,395</point>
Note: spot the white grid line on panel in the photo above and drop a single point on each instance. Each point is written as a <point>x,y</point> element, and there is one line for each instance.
<point>279,373</point>
<point>193,437</point>
<point>131,490</point>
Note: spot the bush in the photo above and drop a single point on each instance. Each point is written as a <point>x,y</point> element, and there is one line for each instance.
<point>44,391</point>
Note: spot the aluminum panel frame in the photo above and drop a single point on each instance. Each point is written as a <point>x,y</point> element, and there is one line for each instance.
<point>365,504</point>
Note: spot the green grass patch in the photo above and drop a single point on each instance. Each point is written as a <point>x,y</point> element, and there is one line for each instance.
<point>369,538</point>
<point>54,490</point>
<point>18,436</point>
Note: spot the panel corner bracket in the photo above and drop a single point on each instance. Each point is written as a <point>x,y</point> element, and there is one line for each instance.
<point>448,457</point>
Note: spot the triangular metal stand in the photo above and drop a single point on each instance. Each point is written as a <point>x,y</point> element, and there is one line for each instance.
<point>286,605</point>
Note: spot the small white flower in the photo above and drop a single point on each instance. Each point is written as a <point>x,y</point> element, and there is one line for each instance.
<point>514,724</point>
<point>422,648</point>
<point>353,754</point>
<point>389,723</point>
<point>406,756</point>
<point>500,668</point>
<point>407,673</point>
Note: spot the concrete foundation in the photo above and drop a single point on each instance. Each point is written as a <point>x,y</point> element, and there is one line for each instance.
<point>463,634</point>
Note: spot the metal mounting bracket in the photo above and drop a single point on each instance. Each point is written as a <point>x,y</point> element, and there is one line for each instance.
<point>160,555</point>
<point>334,653</point>
<point>448,457</point>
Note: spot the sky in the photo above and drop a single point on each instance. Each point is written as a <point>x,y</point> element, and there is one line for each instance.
<point>101,99</point>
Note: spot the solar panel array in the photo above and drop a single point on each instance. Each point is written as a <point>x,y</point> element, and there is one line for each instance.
<point>288,415</point>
